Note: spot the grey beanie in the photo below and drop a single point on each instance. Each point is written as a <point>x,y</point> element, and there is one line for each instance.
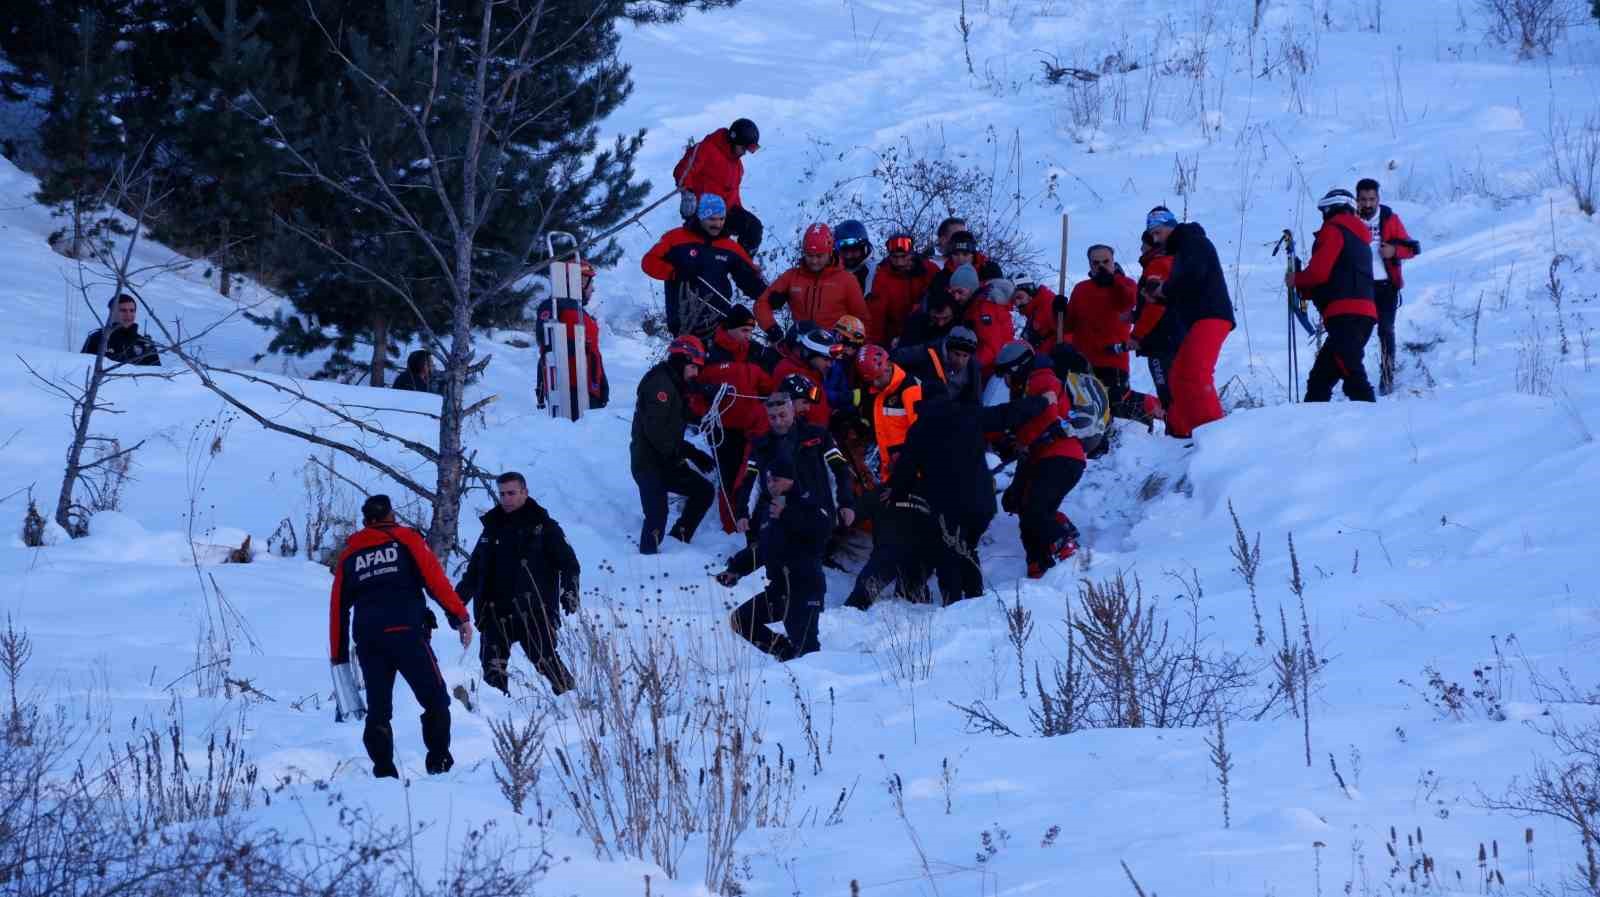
<point>999,290</point>
<point>964,277</point>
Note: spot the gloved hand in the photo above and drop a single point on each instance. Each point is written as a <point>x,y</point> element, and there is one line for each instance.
<point>429,621</point>
<point>774,335</point>
<point>694,457</point>
<point>569,597</point>
<point>1058,306</point>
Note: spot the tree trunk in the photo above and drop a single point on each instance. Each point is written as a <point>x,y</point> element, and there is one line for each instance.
<point>224,270</point>
<point>447,502</point>
<point>380,348</point>
<point>80,435</point>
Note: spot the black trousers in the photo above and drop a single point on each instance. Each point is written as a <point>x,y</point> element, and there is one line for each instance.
<point>498,631</point>
<point>1126,402</point>
<point>1049,481</point>
<point>957,566</point>
<point>1388,300</point>
<point>404,652</point>
<point>745,228</point>
<point>793,597</point>
<point>1340,359</point>
<point>1160,366</point>
<point>655,486</point>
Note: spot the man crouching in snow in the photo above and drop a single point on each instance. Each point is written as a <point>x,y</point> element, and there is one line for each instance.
<point>381,574</point>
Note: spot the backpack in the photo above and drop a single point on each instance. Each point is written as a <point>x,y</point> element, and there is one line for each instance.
<point>1091,406</point>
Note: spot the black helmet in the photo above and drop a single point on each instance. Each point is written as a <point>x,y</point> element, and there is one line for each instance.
<point>961,339</point>
<point>1015,357</point>
<point>743,132</point>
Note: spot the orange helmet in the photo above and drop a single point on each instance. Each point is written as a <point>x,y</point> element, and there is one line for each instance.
<point>850,330</point>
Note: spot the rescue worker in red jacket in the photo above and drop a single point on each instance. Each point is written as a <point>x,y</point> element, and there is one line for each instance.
<point>989,316</point>
<point>574,313</point>
<point>817,291</point>
<point>1196,292</point>
<point>1098,321</point>
<point>733,361</point>
<point>1338,279</point>
<point>1039,307</point>
<point>812,357</point>
<point>1156,335</point>
<point>898,285</point>
<point>891,406</point>
<point>381,576</point>
<point>961,250</point>
<point>701,266</point>
<point>716,165</point>
<point>1391,246</point>
<point>1053,463</point>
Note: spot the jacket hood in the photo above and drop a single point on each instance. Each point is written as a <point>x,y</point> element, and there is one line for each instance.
<point>1182,231</point>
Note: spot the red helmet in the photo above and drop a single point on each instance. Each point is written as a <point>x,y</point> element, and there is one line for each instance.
<point>587,270</point>
<point>688,347</point>
<point>818,240</point>
<point>873,362</point>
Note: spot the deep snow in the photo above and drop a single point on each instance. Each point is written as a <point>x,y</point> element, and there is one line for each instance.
<point>1469,502</point>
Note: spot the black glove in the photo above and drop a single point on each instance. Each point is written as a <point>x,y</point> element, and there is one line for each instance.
<point>1059,305</point>
<point>429,621</point>
<point>569,597</point>
<point>774,335</point>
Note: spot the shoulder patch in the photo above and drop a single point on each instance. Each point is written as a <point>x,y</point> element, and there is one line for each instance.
<point>661,396</point>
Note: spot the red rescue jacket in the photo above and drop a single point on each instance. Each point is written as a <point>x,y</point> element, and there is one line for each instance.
<point>711,167</point>
<point>1040,313</point>
<point>1099,317</point>
<point>1339,276</point>
<point>894,297</point>
<point>991,321</point>
<point>822,298</point>
<point>1043,435</point>
<point>821,412</point>
<point>751,384</point>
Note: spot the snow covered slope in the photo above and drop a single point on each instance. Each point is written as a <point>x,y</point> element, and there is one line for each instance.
<point>1447,528</point>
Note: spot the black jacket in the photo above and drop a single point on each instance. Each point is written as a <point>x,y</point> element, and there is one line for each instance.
<point>659,416</point>
<point>943,458</point>
<point>935,375</point>
<point>521,564</point>
<point>920,329</point>
<point>812,452</point>
<point>124,345</point>
<point>1196,289</point>
<point>405,381</point>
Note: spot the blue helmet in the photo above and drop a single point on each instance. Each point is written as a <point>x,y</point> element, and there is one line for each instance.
<point>851,233</point>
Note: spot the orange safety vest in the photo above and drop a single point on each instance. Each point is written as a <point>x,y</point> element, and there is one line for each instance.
<point>894,410</point>
<point>938,365</point>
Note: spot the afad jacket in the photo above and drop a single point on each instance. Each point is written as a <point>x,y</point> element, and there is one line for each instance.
<point>381,575</point>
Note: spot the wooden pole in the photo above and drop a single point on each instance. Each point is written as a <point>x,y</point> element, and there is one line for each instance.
<point>1061,284</point>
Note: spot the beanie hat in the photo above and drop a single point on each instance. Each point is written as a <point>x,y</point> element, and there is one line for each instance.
<point>999,290</point>
<point>964,277</point>
<point>711,205</point>
<point>738,316</point>
<point>961,339</point>
<point>1160,218</point>
<point>963,241</point>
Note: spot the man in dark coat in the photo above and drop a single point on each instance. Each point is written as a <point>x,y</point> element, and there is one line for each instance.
<point>381,576</point>
<point>123,342</point>
<point>662,461</point>
<point>948,365</point>
<point>1197,293</point>
<point>520,578</point>
<point>797,505</point>
<point>418,375</point>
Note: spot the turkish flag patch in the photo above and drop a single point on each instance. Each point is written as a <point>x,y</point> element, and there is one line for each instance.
<point>661,396</point>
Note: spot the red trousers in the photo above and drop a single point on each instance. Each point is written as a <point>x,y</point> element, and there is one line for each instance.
<point>1194,395</point>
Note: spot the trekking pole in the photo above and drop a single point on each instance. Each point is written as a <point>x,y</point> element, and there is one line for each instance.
<point>1061,284</point>
<point>1296,310</point>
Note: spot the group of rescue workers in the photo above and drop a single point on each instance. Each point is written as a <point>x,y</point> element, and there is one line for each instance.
<point>870,414</point>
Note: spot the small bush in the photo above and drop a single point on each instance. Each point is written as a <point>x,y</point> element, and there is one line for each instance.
<point>1575,157</point>
<point>1532,26</point>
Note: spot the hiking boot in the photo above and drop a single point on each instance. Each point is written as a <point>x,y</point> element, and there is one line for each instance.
<point>439,762</point>
<point>727,579</point>
<point>1036,570</point>
<point>385,771</point>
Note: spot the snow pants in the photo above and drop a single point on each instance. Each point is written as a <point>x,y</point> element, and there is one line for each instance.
<point>1340,359</point>
<point>745,228</point>
<point>402,651</point>
<point>1049,481</point>
<point>1194,392</point>
<point>535,632</point>
<point>654,487</point>
<point>1388,301</point>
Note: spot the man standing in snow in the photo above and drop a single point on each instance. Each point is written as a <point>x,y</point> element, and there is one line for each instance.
<point>661,460</point>
<point>1197,294</point>
<point>898,285</point>
<point>817,291</point>
<point>1391,245</point>
<point>715,165</point>
<point>1338,279</point>
<point>797,505</point>
<point>123,342</point>
<point>381,576</point>
<point>521,577</point>
<point>1098,321</point>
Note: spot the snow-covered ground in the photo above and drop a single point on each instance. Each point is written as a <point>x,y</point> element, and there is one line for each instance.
<point>1443,528</point>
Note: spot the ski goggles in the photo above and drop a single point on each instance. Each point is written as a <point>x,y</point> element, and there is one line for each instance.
<point>851,241</point>
<point>898,245</point>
